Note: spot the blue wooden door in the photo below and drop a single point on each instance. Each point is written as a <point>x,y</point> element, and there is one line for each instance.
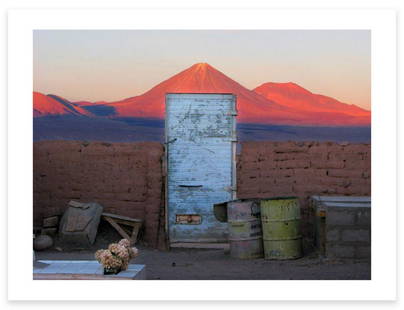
<point>200,137</point>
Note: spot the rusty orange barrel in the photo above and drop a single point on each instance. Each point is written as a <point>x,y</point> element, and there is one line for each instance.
<point>245,231</point>
<point>281,228</point>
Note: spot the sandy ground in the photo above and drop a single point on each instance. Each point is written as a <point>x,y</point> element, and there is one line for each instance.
<point>200,264</point>
<point>196,264</point>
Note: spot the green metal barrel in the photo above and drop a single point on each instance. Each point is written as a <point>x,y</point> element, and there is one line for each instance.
<point>281,228</point>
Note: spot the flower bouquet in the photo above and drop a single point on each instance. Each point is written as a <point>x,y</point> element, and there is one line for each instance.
<point>116,258</point>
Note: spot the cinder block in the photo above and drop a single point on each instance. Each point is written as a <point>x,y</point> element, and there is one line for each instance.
<point>333,235</point>
<point>355,235</point>
<point>363,251</point>
<point>340,251</point>
<point>363,217</point>
<point>339,216</point>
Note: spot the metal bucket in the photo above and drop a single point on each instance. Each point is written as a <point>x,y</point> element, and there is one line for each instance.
<point>281,228</point>
<point>245,231</point>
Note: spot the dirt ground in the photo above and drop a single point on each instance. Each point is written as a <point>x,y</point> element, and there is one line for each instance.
<point>216,264</point>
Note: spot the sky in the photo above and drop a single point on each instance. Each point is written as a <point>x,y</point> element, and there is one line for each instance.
<point>109,65</point>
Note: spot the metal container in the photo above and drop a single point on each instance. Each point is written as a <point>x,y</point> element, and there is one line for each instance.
<point>245,231</point>
<point>281,228</point>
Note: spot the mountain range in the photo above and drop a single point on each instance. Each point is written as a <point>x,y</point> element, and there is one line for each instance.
<point>269,103</point>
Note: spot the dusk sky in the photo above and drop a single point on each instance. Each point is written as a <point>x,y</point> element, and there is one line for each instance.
<point>98,65</point>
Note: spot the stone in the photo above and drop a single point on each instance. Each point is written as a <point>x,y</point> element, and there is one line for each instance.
<point>42,242</point>
<point>79,224</point>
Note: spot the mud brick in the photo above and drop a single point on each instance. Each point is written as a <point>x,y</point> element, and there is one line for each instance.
<point>345,156</point>
<point>284,182</point>
<point>328,164</point>
<point>345,173</point>
<point>318,148</point>
<point>360,164</point>
<point>301,172</point>
<point>289,147</point>
<point>249,166</point>
<point>297,163</point>
<point>277,173</point>
<point>357,148</point>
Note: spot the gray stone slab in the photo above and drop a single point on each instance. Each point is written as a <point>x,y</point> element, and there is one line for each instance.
<point>83,270</point>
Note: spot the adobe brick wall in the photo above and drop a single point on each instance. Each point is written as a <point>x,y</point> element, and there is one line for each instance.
<point>126,178</point>
<point>268,169</point>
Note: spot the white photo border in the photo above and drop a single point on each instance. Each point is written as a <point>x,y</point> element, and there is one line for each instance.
<point>381,23</point>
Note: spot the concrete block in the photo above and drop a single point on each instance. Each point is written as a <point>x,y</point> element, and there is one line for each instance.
<point>333,235</point>
<point>338,216</point>
<point>355,235</point>
<point>340,251</point>
<point>363,217</point>
<point>363,251</point>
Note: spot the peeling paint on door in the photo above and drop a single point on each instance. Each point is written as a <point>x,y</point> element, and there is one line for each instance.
<point>200,146</point>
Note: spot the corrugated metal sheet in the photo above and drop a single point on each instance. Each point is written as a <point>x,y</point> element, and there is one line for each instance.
<point>200,137</point>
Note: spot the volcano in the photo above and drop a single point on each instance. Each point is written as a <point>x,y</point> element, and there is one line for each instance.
<point>327,110</point>
<point>201,78</point>
<point>52,105</point>
<point>271,103</point>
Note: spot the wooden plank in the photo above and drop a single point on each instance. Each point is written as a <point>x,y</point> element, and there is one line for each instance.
<point>124,222</point>
<point>117,227</point>
<point>120,217</point>
<point>135,233</point>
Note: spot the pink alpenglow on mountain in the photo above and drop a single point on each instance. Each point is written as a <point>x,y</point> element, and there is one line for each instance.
<point>293,105</point>
<point>324,110</point>
<point>46,105</point>
<point>270,103</point>
<point>200,78</point>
